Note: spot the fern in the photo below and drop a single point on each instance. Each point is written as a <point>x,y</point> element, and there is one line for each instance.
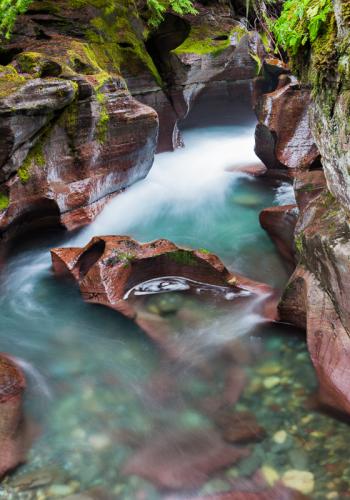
<point>300,22</point>
<point>9,10</point>
<point>158,8</point>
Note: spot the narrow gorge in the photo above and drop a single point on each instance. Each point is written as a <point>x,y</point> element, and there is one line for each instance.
<point>185,165</point>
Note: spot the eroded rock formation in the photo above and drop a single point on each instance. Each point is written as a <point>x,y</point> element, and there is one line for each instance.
<point>13,436</point>
<point>283,135</point>
<point>117,271</point>
<point>316,298</point>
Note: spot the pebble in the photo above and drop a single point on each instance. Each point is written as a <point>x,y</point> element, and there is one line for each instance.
<point>99,441</point>
<point>270,475</point>
<point>280,437</point>
<point>270,382</point>
<point>60,490</point>
<point>300,480</point>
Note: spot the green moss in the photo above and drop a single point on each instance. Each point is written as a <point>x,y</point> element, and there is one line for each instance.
<point>29,62</point>
<point>324,54</point>
<point>102,124</point>
<point>118,257</point>
<point>184,257</point>
<point>4,201</point>
<point>10,80</point>
<point>115,38</point>
<point>205,40</point>
<point>204,250</point>
<point>34,157</point>
<point>299,244</point>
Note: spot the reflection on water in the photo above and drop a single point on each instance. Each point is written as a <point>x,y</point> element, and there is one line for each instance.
<point>114,415</point>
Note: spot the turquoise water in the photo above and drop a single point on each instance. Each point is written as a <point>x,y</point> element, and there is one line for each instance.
<point>99,389</point>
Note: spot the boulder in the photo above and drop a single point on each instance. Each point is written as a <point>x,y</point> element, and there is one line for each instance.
<point>283,137</point>
<point>119,272</point>
<point>13,438</point>
<point>183,459</point>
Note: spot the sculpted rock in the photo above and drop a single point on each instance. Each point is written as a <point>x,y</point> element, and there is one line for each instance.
<point>306,304</point>
<point>72,135</point>
<point>24,112</point>
<point>283,138</point>
<point>13,442</point>
<point>280,223</point>
<point>317,296</point>
<point>307,186</point>
<point>209,53</point>
<point>120,273</point>
<point>183,459</point>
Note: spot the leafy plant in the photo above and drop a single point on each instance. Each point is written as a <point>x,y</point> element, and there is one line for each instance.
<point>300,22</point>
<point>158,8</point>
<point>9,10</point>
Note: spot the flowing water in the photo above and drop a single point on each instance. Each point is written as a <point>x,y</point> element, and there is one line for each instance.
<point>99,390</point>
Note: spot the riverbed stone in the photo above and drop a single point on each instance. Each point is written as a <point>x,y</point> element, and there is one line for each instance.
<point>299,480</point>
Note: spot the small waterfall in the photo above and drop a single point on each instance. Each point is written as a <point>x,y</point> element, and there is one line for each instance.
<point>179,182</point>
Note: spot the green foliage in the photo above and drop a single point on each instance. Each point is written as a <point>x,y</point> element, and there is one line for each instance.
<point>300,23</point>
<point>4,201</point>
<point>157,9</point>
<point>9,10</point>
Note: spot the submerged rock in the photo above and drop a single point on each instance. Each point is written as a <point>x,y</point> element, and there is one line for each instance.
<point>119,272</point>
<point>239,427</point>
<point>183,459</point>
<point>251,491</point>
<point>13,431</point>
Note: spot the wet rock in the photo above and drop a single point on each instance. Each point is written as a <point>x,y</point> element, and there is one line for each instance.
<point>257,170</point>
<point>283,138</point>
<point>316,297</point>
<point>38,478</point>
<point>208,53</point>
<point>239,427</point>
<point>72,134</point>
<point>13,430</point>
<point>118,272</point>
<point>279,222</point>
<point>307,186</point>
<point>235,382</point>
<point>24,112</point>
<point>69,173</point>
<point>182,460</point>
<point>307,305</point>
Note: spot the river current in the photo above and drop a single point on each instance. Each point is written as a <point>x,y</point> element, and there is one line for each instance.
<point>98,389</point>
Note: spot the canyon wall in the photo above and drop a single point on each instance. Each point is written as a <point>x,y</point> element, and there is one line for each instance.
<point>316,297</point>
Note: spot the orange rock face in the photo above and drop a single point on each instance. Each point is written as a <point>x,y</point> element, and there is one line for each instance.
<point>117,271</point>
<point>283,135</point>
<point>13,439</point>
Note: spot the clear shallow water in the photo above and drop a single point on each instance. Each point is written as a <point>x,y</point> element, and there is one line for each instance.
<point>98,389</point>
